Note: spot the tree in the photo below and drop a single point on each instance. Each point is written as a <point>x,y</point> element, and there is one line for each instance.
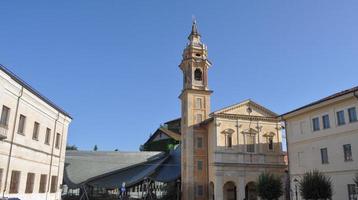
<point>95,148</point>
<point>315,185</point>
<point>71,147</point>
<point>269,186</point>
<point>355,179</point>
<point>170,191</point>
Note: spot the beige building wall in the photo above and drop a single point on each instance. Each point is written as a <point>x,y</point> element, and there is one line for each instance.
<point>212,167</point>
<point>231,166</point>
<point>305,144</point>
<point>20,151</point>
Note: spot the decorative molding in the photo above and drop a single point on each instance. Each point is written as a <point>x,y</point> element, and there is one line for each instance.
<point>250,131</point>
<point>246,117</point>
<point>228,131</point>
<point>269,134</point>
<point>238,125</point>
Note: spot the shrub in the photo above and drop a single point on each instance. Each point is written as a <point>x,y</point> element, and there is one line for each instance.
<point>315,185</point>
<point>269,186</point>
<point>355,179</point>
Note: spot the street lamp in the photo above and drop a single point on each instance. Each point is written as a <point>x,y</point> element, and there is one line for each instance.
<point>296,182</point>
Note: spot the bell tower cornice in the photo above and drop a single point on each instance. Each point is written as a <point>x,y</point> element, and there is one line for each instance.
<point>195,63</point>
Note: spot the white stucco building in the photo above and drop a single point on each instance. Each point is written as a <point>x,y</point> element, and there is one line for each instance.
<point>33,134</point>
<point>323,135</point>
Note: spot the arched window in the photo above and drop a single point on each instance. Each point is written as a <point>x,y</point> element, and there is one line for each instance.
<point>198,75</point>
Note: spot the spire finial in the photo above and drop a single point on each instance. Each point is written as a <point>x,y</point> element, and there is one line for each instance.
<point>194,28</point>
<point>194,36</point>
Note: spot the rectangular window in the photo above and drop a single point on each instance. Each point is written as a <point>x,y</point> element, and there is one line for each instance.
<point>315,124</point>
<point>48,136</point>
<point>340,118</point>
<point>21,128</point>
<point>1,172</point>
<point>270,143</point>
<point>250,143</point>
<point>300,159</point>
<point>58,138</point>
<point>43,180</point>
<point>35,134</point>
<point>198,103</point>
<point>324,156</point>
<point>199,142</point>
<point>14,182</point>
<point>352,192</point>
<point>200,165</point>
<point>347,152</point>
<point>199,190</point>
<point>325,120</point>
<point>228,140</point>
<point>199,118</point>
<point>4,120</point>
<point>352,113</point>
<point>303,126</point>
<point>30,183</point>
<point>53,184</point>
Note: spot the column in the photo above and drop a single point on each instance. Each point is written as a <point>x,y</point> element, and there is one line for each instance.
<point>241,188</point>
<point>218,187</point>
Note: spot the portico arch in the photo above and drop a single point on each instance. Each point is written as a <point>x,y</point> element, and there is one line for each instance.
<point>211,191</point>
<point>250,191</point>
<point>229,191</point>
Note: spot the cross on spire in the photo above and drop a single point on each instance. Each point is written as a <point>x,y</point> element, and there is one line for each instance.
<point>194,35</point>
<point>194,28</point>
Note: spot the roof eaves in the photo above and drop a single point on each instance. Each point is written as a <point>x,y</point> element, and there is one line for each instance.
<point>33,90</point>
<point>333,96</point>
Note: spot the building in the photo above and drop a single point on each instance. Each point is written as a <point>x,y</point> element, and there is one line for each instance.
<point>165,138</point>
<point>323,135</point>
<point>223,152</point>
<point>33,134</point>
<point>102,174</point>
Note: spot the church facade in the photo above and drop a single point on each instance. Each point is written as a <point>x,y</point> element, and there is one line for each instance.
<point>223,152</point>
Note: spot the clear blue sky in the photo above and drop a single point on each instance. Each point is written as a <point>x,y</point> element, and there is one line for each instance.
<point>114,64</point>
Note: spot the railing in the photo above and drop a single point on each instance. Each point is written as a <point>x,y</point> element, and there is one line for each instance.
<point>3,132</point>
<point>248,158</point>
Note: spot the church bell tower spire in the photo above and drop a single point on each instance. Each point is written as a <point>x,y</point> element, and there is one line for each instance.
<point>195,101</point>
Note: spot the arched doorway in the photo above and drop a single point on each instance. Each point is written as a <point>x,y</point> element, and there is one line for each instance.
<point>229,191</point>
<point>211,191</point>
<point>250,191</point>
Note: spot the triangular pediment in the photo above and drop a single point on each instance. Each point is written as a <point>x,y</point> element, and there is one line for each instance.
<point>247,107</point>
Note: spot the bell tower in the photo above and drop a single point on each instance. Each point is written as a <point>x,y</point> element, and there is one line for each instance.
<point>195,102</point>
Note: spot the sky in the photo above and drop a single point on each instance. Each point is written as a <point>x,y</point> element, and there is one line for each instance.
<point>113,65</point>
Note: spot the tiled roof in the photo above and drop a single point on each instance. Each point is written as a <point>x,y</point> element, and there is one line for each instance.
<point>32,90</point>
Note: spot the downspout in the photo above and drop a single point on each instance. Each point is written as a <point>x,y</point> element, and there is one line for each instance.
<point>53,146</point>
<point>207,161</point>
<point>59,159</point>
<point>12,139</point>
<point>288,160</point>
